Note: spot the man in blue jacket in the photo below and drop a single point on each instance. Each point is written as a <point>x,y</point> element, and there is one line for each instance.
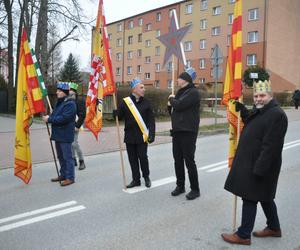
<point>62,122</point>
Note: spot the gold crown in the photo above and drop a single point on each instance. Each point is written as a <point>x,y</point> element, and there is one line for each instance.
<point>262,86</point>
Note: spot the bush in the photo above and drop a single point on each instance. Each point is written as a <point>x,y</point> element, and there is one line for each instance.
<point>3,83</point>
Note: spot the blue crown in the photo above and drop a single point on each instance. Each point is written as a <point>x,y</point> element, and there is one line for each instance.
<point>191,72</point>
<point>63,86</point>
<point>135,82</point>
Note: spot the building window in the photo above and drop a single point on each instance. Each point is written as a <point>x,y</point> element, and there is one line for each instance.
<point>188,9</point>
<point>158,17</point>
<point>202,63</point>
<point>202,80</point>
<point>130,24</point>
<point>251,59</point>
<point>215,31</point>
<point>157,50</point>
<point>119,56</point>
<point>253,37</point>
<point>130,40</point>
<point>129,70</point>
<point>157,67</point>
<point>203,5</point>
<point>231,1</point>
<point>110,37</point>
<point>148,43</point>
<point>140,21</point>
<point>147,76</point>
<point>191,26</point>
<point>216,10</point>
<point>169,66</point>
<point>148,26</point>
<point>119,42</point>
<point>188,46</point>
<point>140,37</point>
<point>139,52</point>
<point>203,24</point>
<point>230,18</point>
<point>157,33</point>
<point>170,84</point>
<point>157,84</point>
<point>118,71</point>
<point>171,12</point>
<point>148,59</point>
<point>253,14</point>
<point>203,44</point>
<point>228,40</point>
<point>129,55</point>
<point>188,63</point>
<point>119,27</point>
<point>139,69</point>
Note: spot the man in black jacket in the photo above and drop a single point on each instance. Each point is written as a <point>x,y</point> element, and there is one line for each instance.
<point>184,109</point>
<point>80,116</point>
<point>257,162</point>
<point>139,131</point>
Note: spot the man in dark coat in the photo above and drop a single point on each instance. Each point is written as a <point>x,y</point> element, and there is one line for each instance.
<point>185,116</point>
<point>296,98</point>
<point>136,140</point>
<point>257,162</point>
<point>62,120</point>
<point>80,116</point>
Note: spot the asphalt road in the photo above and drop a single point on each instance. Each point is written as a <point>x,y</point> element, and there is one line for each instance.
<point>95,213</point>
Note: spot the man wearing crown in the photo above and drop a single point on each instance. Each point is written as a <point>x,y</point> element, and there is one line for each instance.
<point>257,162</point>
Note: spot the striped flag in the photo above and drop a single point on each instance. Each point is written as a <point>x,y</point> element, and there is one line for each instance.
<point>29,102</point>
<point>101,77</point>
<point>233,79</point>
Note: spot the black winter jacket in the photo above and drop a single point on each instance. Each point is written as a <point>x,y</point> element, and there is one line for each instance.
<point>257,162</point>
<point>81,111</point>
<point>133,134</point>
<point>185,114</point>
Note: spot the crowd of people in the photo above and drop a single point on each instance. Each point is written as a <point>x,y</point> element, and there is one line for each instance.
<point>255,168</point>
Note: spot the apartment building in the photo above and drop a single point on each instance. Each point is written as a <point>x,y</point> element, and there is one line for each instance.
<point>270,35</point>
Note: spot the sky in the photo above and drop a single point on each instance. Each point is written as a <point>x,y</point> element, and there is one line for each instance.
<point>114,10</point>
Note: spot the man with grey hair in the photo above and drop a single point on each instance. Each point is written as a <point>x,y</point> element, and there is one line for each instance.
<point>257,162</point>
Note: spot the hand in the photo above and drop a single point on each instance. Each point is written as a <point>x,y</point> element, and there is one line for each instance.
<point>150,139</point>
<point>77,129</point>
<point>239,106</point>
<point>171,96</point>
<point>115,113</point>
<point>45,118</point>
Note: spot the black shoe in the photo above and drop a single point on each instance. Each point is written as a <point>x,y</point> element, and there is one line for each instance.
<point>147,182</point>
<point>192,195</point>
<point>134,184</point>
<point>177,191</point>
<point>81,165</point>
<point>75,162</point>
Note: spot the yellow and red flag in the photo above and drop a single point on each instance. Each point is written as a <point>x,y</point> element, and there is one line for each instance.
<point>101,77</point>
<point>233,79</point>
<point>29,102</point>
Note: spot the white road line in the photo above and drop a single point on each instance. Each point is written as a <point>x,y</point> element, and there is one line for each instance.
<point>38,211</point>
<point>41,218</point>
<point>155,184</point>
<point>213,165</point>
<point>291,146</point>
<point>292,142</point>
<point>217,168</point>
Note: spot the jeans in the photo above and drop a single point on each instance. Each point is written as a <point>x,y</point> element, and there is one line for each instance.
<point>64,155</point>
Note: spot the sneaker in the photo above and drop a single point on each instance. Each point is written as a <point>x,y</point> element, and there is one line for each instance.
<point>192,195</point>
<point>81,165</point>
<point>177,191</point>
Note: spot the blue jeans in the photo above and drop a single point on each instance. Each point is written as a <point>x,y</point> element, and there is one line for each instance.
<point>64,155</point>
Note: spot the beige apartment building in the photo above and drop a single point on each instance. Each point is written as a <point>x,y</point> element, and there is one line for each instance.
<point>270,39</point>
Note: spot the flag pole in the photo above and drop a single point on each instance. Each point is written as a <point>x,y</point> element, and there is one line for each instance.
<point>51,144</point>
<point>120,144</point>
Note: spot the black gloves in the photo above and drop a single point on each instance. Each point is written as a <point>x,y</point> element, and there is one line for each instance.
<point>239,106</point>
<point>115,113</point>
<point>150,139</point>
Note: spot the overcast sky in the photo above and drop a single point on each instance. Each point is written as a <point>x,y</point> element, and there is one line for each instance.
<point>114,10</point>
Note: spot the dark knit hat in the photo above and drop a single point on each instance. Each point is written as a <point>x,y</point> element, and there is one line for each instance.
<point>185,76</point>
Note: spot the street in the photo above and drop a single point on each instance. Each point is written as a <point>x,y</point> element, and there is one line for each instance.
<point>95,213</point>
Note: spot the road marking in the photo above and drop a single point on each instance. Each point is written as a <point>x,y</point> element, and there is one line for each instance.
<point>41,218</point>
<point>217,168</point>
<point>292,142</point>
<point>155,184</point>
<point>213,165</point>
<point>291,146</point>
<point>38,211</point>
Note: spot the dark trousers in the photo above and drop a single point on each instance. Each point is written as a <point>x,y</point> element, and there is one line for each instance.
<point>137,155</point>
<point>64,155</point>
<point>184,146</point>
<point>249,214</point>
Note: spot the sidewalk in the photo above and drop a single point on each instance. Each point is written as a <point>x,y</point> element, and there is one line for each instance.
<point>107,142</point>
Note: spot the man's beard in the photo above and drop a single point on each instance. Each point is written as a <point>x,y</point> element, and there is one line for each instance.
<point>259,106</point>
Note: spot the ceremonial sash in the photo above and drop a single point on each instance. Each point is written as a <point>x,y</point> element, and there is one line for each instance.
<point>138,118</point>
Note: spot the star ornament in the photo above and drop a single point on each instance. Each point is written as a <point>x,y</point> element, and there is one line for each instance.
<point>172,40</point>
